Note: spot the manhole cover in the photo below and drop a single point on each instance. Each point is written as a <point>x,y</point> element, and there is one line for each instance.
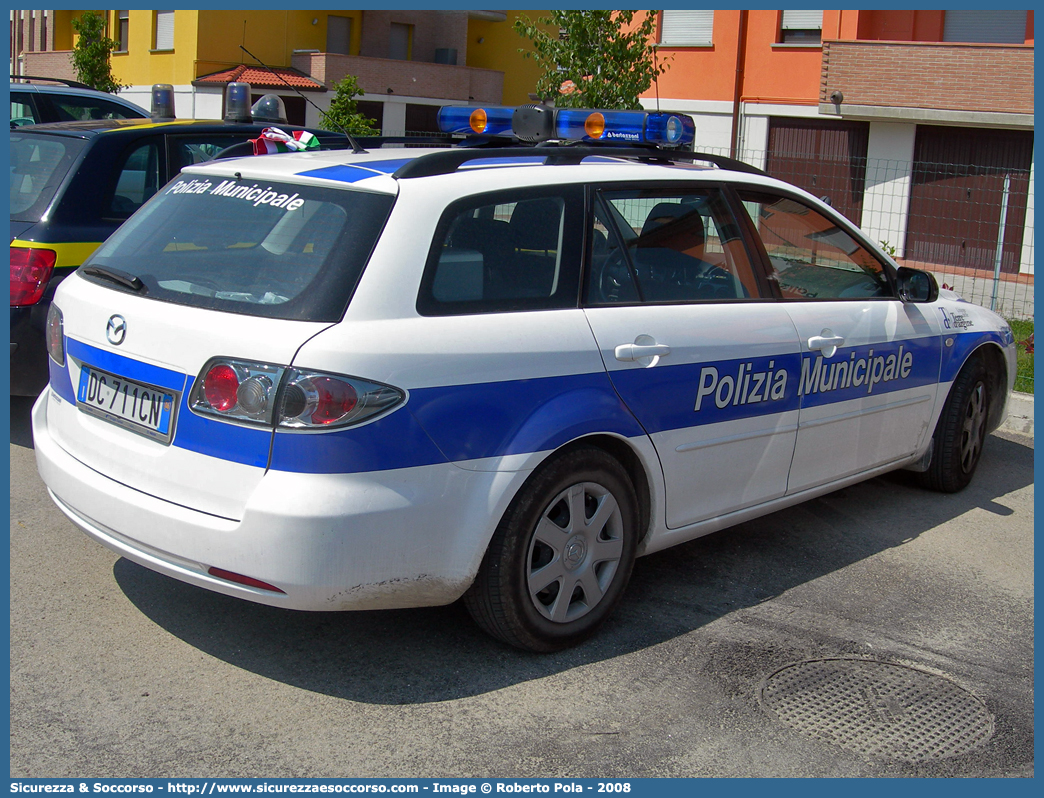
<point>878,709</point>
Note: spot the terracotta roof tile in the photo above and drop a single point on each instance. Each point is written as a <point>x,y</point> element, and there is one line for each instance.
<point>261,78</point>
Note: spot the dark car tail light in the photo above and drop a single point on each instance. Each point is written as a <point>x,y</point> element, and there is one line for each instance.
<point>260,393</point>
<point>31,269</point>
<point>55,335</point>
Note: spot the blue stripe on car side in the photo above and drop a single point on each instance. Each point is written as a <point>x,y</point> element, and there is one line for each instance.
<point>238,444</point>
<point>664,397</point>
<point>395,441</point>
<point>493,419</point>
<point>482,420</point>
<point>839,375</point>
<point>954,357</point>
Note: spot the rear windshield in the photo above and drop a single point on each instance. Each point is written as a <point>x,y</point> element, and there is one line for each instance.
<point>252,247</point>
<point>39,163</point>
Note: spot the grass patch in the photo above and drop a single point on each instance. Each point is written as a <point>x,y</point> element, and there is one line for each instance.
<point>1023,330</point>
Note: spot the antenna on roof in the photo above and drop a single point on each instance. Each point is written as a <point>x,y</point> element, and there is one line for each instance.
<point>356,148</point>
<point>656,77</point>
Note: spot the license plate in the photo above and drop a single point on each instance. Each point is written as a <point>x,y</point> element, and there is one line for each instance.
<point>136,406</point>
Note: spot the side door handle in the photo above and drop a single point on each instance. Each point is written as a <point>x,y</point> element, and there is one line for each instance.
<point>826,341</point>
<point>645,351</point>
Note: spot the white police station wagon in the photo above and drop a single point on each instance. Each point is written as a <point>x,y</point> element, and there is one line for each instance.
<point>357,380</point>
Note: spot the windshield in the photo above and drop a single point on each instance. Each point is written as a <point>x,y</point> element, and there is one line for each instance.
<point>253,247</point>
<point>39,163</point>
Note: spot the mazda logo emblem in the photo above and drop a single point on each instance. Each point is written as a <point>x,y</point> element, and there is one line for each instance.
<point>116,330</point>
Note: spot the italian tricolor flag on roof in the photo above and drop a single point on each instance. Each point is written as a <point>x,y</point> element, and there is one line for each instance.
<point>273,140</point>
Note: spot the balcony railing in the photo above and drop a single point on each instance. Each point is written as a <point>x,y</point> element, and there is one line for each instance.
<point>405,78</point>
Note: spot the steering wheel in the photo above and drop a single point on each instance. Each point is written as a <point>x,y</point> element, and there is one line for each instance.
<point>614,278</point>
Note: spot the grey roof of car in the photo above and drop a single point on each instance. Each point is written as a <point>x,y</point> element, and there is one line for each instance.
<point>72,91</point>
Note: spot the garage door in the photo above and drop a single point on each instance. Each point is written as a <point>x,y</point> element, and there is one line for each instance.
<point>825,158</point>
<point>958,191</point>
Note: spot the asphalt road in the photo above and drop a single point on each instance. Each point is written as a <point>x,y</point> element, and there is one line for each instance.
<point>117,671</point>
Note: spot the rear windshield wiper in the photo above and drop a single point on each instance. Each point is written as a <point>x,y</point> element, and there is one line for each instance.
<point>115,275</point>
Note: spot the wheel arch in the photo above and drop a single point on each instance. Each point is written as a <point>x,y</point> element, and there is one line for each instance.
<point>621,450</point>
<point>997,369</point>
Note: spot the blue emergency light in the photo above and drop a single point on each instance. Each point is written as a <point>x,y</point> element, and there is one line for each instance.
<point>536,123</point>
<point>487,121</point>
<point>625,127</point>
<point>670,130</point>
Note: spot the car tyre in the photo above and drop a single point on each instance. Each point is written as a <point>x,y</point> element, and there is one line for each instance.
<point>961,432</point>
<point>561,556</point>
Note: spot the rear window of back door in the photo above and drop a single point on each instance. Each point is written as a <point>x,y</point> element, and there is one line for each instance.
<point>39,164</point>
<point>258,248</point>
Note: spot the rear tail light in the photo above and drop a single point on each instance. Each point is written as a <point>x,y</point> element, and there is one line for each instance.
<point>263,394</point>
<point>55,334</point>
<point>220,387</point>
<point>31,270</point>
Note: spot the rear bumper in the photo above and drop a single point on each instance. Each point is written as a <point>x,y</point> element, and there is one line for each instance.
<point>379,540</point>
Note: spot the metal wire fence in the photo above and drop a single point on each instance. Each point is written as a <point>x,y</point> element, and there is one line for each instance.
<point>970,225</point>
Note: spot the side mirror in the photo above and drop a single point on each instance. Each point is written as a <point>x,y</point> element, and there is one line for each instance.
<point>916,285</point>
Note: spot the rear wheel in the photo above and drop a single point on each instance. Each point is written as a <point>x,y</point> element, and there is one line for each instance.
<point>961,432</point>
<point>561,556</point>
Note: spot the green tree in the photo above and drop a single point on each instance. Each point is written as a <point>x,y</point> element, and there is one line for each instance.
<point>343,115</point>
<point>91,53</point>
<point>590,60</point>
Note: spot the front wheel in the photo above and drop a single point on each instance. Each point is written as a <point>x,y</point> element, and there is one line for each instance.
<point>961,432</point>
<point>562,555</point>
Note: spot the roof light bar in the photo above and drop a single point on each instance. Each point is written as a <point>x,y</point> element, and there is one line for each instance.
<point>537,123</point>
<point>632,127</point>
<point>469,119</point>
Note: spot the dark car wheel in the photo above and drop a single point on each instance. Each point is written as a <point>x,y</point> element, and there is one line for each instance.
<point>961,431</point>
<point>562,555</point>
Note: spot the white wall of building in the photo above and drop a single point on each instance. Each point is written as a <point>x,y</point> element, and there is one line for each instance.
<point>190,102</point>
<point>394,118</point>
<point>1026,263</point>
<point>889,165</point>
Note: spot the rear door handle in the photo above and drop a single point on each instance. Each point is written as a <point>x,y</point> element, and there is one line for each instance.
<point>644,350</point>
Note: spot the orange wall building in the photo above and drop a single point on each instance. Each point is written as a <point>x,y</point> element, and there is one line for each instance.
<point>863,106</point>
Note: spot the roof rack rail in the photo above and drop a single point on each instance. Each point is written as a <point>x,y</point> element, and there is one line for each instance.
<point>441,163</point>
<point>439,140</point>
<point>72,84</point>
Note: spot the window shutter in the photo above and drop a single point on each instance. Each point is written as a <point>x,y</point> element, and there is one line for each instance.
<point>687,27</point>
<point>802,20</point>
<point>1000,26</point>
<point>164,30</point>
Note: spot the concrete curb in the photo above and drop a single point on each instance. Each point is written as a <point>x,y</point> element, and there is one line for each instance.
<point>1020,413</point>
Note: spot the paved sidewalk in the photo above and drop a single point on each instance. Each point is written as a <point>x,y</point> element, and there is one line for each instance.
<point>1020,413</point>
